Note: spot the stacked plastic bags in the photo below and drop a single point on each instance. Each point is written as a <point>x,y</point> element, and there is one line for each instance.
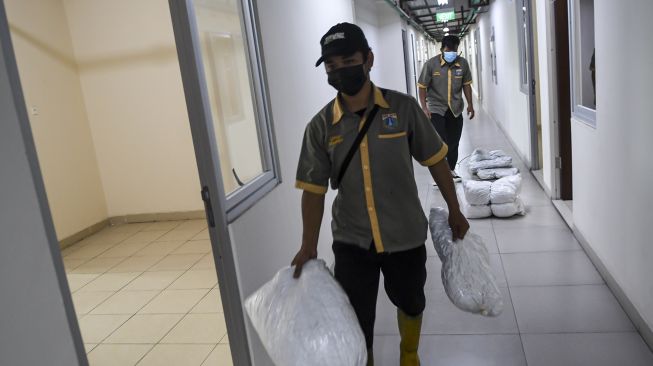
<point>307,321</point>
<point>504,196</point>
<point>488,161</point>
<point>480,199</point>
<point>466,273</point>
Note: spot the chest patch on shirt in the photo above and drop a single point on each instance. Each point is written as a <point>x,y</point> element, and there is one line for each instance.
<point>335,140</point>
<point>390,121</point>
<point>458,72</point>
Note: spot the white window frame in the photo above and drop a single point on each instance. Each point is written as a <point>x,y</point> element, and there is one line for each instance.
<point>523,36</point>
<point>578,111</point>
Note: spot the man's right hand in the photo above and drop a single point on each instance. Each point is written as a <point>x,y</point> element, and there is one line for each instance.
<point>304,255</point>
<point>427,112</point>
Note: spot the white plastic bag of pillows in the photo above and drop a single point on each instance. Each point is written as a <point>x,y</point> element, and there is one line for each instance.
<point>481,154</point>
<point>497,173</point>
<point>307,321</point>
<point>466,273</point>
<point>471,211</point>
<point>505,190</point>
<point>498,162</point>
<point>477,192</point>
<point>508,209</point>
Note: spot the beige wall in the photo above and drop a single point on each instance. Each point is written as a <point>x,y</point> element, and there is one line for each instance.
<point>61,129</point>
<point>134,97</point>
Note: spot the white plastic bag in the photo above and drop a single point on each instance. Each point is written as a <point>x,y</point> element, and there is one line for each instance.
<point>487,174</point>
<point>466,273</point>
<point>477,192</point>
<point>481,154</point>
<point>505,190</point>
<point>307,321</point>
<point>498,162</point>
<point>470,211</point>
<point>509,209</point>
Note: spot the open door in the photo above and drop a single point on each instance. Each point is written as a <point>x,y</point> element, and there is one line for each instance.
<point>224,85</point>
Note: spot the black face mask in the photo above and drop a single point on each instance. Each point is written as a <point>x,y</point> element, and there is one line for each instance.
<point>348,80</point>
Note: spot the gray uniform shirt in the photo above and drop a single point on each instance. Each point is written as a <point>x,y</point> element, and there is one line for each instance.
<point>377,199</point>
<point>444,84</point>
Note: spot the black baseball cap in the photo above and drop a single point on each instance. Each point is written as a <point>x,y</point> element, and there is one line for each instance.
<point>342,39</point>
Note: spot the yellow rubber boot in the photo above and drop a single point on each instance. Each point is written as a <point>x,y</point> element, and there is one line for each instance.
<point>409,329</point>
<point>370,357</point>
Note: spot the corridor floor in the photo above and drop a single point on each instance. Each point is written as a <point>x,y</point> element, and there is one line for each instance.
<point>558,310</point>
<point>146,294</point>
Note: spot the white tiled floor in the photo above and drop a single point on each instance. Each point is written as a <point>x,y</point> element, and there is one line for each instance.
<point>558,311</point>
<point>146,294</point>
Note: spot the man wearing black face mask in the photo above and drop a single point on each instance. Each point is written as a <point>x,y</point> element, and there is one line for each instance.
<point>363,143</point>
<point>443,80</point>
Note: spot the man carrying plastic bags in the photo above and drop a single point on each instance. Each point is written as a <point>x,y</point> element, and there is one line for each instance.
<point>363,143</point>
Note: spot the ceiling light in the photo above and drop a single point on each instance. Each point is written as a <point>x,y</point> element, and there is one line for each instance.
<point>445,29</point>
<point>446,34</point>
<point>443,2</point>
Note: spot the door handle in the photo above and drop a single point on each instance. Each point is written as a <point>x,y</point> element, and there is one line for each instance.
<point>208,208</point>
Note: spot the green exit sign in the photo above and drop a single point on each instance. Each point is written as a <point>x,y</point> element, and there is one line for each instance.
<point>445,16</point>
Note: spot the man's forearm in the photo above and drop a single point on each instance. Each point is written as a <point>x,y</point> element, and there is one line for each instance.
<point>467,89</point>
<point>443,178</point>
<point>422,97</point>
<point>312,213</point>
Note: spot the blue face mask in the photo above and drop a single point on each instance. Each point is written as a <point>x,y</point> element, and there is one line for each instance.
<point>450,56</point>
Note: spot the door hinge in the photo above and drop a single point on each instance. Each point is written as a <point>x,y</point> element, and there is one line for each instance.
<point>208,208</point>
<point>558,162</point>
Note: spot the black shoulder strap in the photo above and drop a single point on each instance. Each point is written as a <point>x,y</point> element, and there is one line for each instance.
<point>359,138</point>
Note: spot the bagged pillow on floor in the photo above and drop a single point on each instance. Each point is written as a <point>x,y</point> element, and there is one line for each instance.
<point>470,211</point>
<point>509,209</point>
<point>477,192</point>
<point>505,190</point>
<point>481,154</point>
<point>307,321</point>
<point>487,174</point>
<point>466,273</point>
<point>498,162</point>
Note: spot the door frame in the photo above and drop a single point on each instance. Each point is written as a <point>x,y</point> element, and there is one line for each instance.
<point>479,63</point>
<point>54,252</point>
<point>532,87</point>
<point>208,164</point>
<point>562,141</point>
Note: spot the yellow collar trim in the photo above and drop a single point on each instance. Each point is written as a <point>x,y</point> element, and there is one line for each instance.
<point>442,61</point>
<point>338,109</point>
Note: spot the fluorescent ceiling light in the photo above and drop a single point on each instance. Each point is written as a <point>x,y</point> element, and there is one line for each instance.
<point>445,29</point>
<point>443,2</point>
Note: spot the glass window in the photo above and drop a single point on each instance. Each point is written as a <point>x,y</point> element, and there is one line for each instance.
<point>493,57</point>
<point>228,82</point>
<point>583,63</point>
<point>234,82</point>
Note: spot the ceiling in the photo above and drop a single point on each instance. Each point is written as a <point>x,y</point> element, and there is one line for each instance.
<point>423,12</point>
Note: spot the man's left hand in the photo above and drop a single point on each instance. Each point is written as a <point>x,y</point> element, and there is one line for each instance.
<point>470,112</point>
<point>459,225</point>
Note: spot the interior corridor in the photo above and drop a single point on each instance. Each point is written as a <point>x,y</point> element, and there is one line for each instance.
<point>557,309</point>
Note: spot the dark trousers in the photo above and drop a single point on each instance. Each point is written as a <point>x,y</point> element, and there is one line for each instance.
<point>450,129</point>
<point>358,272</point>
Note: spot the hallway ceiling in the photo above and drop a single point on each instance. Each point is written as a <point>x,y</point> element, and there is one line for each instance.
<point>424,13</point>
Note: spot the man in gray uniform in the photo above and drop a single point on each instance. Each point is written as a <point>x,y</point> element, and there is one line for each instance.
<point>441,82</point>
<point>378,221</point>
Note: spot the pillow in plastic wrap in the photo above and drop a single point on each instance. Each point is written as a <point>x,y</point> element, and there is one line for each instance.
<point>481,154</point>
<point>487,174</point>
<point>477,192</point>
<point>307,321</point>
<point>466,273</point>
<point>509,209</point>
<point>498,162</point>
<point>505,190</point>
<point>470,211</point>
